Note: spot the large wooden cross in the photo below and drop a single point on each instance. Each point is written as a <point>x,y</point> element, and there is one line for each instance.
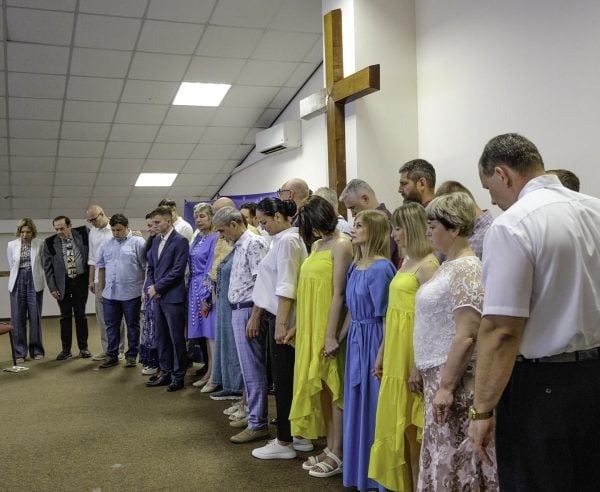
<point>338,91</point>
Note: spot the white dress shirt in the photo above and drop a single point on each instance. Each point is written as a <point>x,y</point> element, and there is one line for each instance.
<point>183,228</point>
<point>97,237</point>
<point>541,261</point>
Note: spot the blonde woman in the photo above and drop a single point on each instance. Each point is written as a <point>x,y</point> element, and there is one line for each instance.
<point>395,452</point>
<point>367,287</point>
<point>26,287</point>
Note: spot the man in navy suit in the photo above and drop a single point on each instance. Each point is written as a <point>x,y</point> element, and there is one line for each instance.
<point>167,262</point>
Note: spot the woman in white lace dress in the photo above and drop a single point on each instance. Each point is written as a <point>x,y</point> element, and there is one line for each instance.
<point>447,317</point>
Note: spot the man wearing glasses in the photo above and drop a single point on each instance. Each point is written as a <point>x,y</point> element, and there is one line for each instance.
<point>296,190</point>
<point>99,233</point>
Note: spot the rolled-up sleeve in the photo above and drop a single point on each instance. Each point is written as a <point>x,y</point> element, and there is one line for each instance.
<point>290,256</point>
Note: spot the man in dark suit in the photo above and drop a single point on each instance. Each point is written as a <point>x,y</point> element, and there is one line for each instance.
<point>66,269</point>
<point>167,262</point>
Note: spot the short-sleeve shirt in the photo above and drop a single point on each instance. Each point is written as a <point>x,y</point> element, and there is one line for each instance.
<point>455,284</point>
<point>249,251</point>
<point>541,261</point>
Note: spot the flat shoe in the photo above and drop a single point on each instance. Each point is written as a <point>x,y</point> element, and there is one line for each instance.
<point>199,383</point>
<point>323,469</point>
<point>209,388</point>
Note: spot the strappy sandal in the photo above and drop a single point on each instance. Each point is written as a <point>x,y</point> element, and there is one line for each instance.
<point>323,469</point>
<point>313,460</point>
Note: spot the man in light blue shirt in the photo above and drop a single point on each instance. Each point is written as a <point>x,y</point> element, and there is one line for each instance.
<point>121,266</point>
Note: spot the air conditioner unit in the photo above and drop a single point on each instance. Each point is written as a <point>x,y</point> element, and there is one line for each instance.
<point>280,137</point>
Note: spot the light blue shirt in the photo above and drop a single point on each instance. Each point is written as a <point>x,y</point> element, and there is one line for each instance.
<point>125,264</point>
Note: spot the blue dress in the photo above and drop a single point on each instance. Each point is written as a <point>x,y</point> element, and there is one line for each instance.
<point>367,300</point>
<point>226,371</point>
<point>200,260</point>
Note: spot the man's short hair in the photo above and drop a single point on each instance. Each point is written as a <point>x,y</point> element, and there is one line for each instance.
<point>451,187</point>
<point>512,150</point>
<point>356,187</point>
<point>167,202</point>
<point>119,219</point>
<point>567,178</point>
<point>251,207</point>
<point>226,215</point>
<point>62,217</point>
<point>330,195</point>
<point>162,210</point>
<point>417,169</point>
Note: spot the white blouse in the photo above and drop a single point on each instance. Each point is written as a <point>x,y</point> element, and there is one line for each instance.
<point>456,283</point>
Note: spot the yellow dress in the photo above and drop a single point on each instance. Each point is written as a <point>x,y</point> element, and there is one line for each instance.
<point>311,369</point>
<point>397,407</point>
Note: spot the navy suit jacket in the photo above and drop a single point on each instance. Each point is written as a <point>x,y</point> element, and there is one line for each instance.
<point>167,273</point>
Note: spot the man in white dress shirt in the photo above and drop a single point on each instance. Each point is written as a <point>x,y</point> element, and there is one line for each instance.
<point>538,361</point>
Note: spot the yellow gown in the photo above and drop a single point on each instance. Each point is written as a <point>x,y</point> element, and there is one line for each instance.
<point>311,369</point>
<point>397,407</point>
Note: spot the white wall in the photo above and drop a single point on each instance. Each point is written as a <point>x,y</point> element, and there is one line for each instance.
<point>486,68</point>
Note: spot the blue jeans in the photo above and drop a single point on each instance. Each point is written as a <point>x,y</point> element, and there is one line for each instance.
<point>114,311</point>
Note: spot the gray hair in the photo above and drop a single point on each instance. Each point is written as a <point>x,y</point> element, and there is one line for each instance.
<point>226,215</point>
<point>203,207</point>
<point>330,195</point>
<point>356,187</point>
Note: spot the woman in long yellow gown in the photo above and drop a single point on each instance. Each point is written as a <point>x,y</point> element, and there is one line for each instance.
<point>319,366</point>
<point>395,451</point>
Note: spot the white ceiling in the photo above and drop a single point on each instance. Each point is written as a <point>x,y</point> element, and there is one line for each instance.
<point>86,90</point>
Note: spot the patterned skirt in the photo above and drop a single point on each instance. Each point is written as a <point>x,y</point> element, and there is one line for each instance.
<point>448,462</point>
<point>148,352</point>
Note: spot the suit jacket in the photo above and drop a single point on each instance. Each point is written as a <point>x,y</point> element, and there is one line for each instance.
<point>167,273</point>
<point>13,252</point>
<point>54,263</point>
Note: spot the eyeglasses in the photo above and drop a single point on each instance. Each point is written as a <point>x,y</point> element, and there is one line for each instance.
<point>92,220</point>
<point>280,192</point>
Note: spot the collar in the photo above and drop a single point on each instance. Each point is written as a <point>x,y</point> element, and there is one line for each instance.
<point>166,236</point>
<point>538,183</point>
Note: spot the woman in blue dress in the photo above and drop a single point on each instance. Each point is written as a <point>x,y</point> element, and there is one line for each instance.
<point>367,299</point>
<point>201,315</point>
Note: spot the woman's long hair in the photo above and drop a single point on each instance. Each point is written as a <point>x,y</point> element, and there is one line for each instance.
<point>378,234</point>
<point>315,214</point>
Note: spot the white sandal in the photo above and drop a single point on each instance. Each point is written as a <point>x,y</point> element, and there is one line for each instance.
<point>323,469</point>
<point>313,460</point>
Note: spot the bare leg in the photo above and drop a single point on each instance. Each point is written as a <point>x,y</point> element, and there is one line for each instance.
<point>412,456</point>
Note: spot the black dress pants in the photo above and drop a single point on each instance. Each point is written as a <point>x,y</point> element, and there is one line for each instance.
<point>547,433</point>
<point>282,363</point>
<point>73,303</point>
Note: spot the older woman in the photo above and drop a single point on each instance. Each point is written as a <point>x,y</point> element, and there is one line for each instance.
<point>395,453</point>
<point>447,317</point>
<point>201,315</point>
<point>26,287</point>
<point>367,300</point>
<point>275,295</point>
<point>319,368</point>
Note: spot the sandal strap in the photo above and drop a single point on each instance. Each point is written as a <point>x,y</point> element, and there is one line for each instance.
<point>333,457</point>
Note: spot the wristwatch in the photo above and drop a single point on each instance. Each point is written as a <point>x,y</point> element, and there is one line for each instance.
<point>475,415</point>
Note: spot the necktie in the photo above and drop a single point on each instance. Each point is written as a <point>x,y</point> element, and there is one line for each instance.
<point>71,265</point>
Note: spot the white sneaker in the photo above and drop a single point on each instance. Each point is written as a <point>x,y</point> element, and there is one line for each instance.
<point>239,415</point>
<point>274,451</point>
<point>121,356</point>
<point>301,444</point>
<point>232,409</point>
<point>149,371</point>
<point>99,357</point>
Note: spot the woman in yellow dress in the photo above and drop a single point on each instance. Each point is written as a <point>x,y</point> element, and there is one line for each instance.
<point>319,366</point>
<point>395,451</point>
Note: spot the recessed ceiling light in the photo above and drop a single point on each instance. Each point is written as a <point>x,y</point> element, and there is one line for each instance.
<point>199,94</point>
<point>155,179</point>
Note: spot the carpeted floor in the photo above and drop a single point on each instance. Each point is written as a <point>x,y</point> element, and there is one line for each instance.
<point>68,426</point>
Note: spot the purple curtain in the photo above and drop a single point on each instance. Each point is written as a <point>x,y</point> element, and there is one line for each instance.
<point>188,210</point>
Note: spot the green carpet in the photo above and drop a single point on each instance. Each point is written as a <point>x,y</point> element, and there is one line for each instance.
<point>66,426</point>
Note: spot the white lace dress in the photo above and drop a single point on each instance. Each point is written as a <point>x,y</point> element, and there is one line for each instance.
<point>447,462</point>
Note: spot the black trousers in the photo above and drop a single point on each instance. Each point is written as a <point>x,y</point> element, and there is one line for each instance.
<point>282,363</point>
<point>73,303</point>
<point>547,433</point>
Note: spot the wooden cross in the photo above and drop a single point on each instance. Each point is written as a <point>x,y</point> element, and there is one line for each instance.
<point>338,91</point>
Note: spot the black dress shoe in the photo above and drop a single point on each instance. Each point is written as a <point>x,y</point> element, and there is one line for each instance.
<point>84,354</point>
<point>64,355</point>
<point>175,386</point>
<point>162,381</point>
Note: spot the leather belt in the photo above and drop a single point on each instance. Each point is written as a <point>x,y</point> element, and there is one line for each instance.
<point>577,356</point>
<point>241,305</point>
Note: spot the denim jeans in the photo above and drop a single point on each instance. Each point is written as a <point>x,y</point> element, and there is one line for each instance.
<point>114,311</point>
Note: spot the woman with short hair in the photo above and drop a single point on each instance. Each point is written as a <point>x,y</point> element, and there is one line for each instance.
<point>26,287</point>
<point>447,317</point>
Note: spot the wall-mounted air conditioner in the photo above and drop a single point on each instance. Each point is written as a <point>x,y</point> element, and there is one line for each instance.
<point>280,137</point>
